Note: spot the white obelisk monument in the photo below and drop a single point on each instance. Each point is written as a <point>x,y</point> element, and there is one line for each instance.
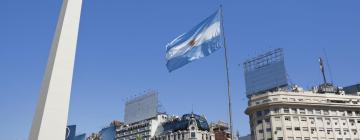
<point>51,114</point>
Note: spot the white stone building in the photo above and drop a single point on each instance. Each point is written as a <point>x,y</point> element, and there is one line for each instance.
<point>144,129</point>
<point>304,115</point>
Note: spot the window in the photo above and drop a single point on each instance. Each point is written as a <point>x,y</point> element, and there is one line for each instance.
<point>268,129</point>
<point>267,120</point>
<point>278,129</point>
<point>349,113</point>
<point>289,128</point>
<point>261,131</point>
<point>357,113</point>
<point>280,138</point>
<point>276,110</point>
<point>352,122</point>
<point>287,118</point>
<point>193,134</point>
<point>329,131</point>
<point>266,111</point>
<point>312,120</point>
<point>313,129</point>
<point>305,129</point>
<point>302,111</point>
<point>327,120</point>
<point>297,128</point>
<point>310,111</point>
<point>303,119</point>
<point>342,113</point>
<point>259,121</point>
<point>293,110</point>
<point>317,111</point>
<point>286,110</point>
<point>259,113</point>
<point>354,131</point>
<point>319,119</point>
<point>338,131</point>
<point>326,112</point>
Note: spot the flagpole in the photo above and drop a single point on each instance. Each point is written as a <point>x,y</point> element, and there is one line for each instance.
<point>227,73</point>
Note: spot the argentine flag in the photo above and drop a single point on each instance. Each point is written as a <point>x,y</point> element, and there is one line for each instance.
<point>202,40</point>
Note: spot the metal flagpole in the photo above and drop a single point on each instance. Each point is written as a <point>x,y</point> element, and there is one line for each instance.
<point>227,73</point>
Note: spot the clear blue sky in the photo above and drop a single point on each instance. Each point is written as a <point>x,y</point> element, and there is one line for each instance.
<point>121,50</point>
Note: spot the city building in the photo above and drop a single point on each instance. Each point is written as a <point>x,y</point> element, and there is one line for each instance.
<point>144,129</point>
<point>106,133</point>
<point>71,133</point>
<point>353,89</point>
<point>188,127</point>
<point>282,111</point>
<point>93,136</point>
<point>220,130</point>
<point>304,115</point>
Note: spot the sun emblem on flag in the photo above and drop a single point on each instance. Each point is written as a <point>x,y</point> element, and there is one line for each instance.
<point>192,43</point>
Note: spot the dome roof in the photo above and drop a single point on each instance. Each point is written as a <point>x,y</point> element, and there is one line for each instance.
<point>184,122</point>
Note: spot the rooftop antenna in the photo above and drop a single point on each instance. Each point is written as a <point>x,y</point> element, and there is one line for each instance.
<point>322,69</point>
<point>328,65</point>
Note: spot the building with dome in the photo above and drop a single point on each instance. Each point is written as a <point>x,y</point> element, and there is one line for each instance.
<point>188,127</point>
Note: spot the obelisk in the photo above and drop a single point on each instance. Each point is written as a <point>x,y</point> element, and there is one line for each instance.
<point>51,114</point>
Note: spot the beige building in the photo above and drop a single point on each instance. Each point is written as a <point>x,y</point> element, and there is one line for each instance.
<point>304,115</point>
<point>220,130</point>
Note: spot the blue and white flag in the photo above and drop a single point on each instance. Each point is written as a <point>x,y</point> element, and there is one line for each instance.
<point>202,40</point>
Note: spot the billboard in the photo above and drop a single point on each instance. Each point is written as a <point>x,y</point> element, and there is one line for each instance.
<point>142,107</point>
<point>265,72</point>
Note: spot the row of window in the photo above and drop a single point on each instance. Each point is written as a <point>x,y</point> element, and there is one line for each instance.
<point>313,130</point>
<point>306,111</point>
<point>308,138</point>
<point>182,136</point>
<point>328,121</point>
<point>122,133</point>
<point>315,100</point>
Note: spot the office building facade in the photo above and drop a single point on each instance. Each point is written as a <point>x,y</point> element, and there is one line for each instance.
<point>304,115</point>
